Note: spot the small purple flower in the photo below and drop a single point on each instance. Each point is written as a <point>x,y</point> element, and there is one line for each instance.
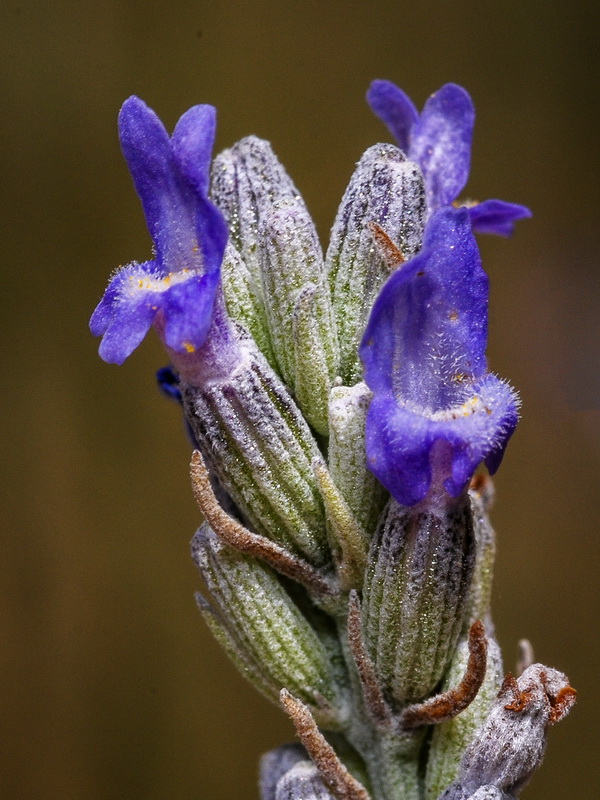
<point>439,141</point>
<point>176,289</point>
<point>436,412</point>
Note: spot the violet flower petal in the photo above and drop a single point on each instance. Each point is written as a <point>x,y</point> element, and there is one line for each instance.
<point>192,144</point>
<point>398,449</point>
<point>497,216</point>
<point>436,413</point>
<point>440,143</point>
<point>167,201</point>
<point>125,313</point>
<point>187,307</point>
<point>401,442</point>
<point>428,327</point>
<point>395,109</point>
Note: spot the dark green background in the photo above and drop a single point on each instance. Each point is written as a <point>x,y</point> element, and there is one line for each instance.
<point>111,686</point>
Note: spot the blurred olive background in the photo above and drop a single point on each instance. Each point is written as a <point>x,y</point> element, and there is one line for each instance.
<point>111,685</point>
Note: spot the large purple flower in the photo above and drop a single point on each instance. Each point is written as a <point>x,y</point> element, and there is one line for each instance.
<point>436,412</point>
<point>176,289</point>
<point>439,140</point>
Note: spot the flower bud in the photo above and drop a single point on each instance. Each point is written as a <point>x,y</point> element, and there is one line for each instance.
<point>483,793</point>
<point>416,589</point>
<point>261,449</point>
<point>243,300</point>
<point>451,738</point>
<point>264,631</point>
<point>362,491</point>
<point>298,306</point>
<point>489,793</point>
<point>387,190</point>
<point>315,354</point>
<point>246,180</point>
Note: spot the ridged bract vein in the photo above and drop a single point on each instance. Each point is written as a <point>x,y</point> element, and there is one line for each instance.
<point>246,180</point>
<point>266,622</point>
<point>415,596</point>
<point>261,449</point>
<point>388,190</point>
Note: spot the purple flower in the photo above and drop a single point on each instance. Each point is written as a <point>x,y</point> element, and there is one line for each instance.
<point>436,412</point>
<point>439,140</point>
<point>176,289</point>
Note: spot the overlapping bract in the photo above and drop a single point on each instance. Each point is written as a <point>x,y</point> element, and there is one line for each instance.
<point>176,288</point>
<point>436,412</point>
<point>439,140</point>
<point>349,606</point>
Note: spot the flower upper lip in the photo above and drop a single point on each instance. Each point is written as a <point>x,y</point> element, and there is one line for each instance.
<point>171,176</point>
<point>439,141</point>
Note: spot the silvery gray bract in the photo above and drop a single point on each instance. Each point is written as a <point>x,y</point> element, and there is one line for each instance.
<point>302,782</point>
<point>387,190</point>
<point>415,595</point>
<point>274,765</point>
<point>362,491</point>
<point>298,307</point>
<point>266,632</point>
<point>261,448</point>
<point>478,605</point>
<point>510,745</point>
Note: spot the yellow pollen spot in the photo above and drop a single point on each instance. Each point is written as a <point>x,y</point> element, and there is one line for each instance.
<point>468,203</point>
<point>453,316</point>
<point>189,347</point>
<point>470,406</point>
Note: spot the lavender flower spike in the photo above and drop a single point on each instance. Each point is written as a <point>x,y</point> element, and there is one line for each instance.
<point>439,140</point>
<point>176,289</point>
<point>436,412</point>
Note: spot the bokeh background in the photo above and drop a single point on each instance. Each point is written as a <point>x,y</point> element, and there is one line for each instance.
<point>111,687</point>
